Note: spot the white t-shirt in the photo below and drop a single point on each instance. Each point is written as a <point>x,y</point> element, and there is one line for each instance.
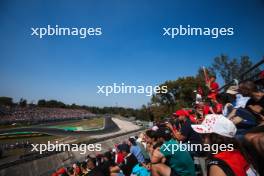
<point>241,101</point>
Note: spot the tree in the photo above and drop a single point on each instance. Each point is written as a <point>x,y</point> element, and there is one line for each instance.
<point>6,101</point>
<point>231,69</point>
<point>42,103</point>
<point>180,95</point>
<point>22,102</point>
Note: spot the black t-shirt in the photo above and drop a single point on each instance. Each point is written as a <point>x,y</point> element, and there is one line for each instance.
<point>253,102</point>
<point>96,172</point>
<point>190,135</point>
<point>105,167</point>
<point>259,102</point>
<point>128,164</point>
<point>222,164</point>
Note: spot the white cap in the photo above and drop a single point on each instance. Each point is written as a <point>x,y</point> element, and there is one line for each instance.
<point>219,124</point>
<point>233,90</point>
<point>155,128</point>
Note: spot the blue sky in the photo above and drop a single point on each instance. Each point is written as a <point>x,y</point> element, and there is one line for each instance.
<point>131,50</point>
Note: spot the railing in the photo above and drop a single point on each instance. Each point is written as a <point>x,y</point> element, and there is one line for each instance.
<point>242,76</point>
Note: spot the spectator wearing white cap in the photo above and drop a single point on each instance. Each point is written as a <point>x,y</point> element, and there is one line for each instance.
<point>228,160</point>
<point>241,100</point>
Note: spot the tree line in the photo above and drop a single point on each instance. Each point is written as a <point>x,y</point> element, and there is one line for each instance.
<point>180,92</point>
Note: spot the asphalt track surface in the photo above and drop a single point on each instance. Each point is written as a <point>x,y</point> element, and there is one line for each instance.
<point>109,126</point>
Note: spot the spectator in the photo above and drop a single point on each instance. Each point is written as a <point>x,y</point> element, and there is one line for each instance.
<point>256,102</point>
<point>240,100</point>
<point>107,162</point>
<point>60,172</point>
<point>143,145</point>
<point>136,150</point>
<point>255,136</point>
<point>219,130</point>
<point>77,169</point>
<point>216,107</point>
<point>70,171</point>
<point>202,109</point>
<point>177,162</point>
<point>228,101</point>
<point>198,95</point>
<point>84,169</point>
<point>234,110</point>
<point>126,167</point>
<point>151,140</point>
<point>93,169</point>
<point>185,132</point>
<point>142,169</point>
<point>213,87</point>
<point>119,157</point>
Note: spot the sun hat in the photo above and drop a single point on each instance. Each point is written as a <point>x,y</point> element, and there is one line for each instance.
<point>215,123</point>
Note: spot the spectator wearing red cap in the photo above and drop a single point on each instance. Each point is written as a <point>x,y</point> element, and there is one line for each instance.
<point>185,132</point>
<point>178,162</point>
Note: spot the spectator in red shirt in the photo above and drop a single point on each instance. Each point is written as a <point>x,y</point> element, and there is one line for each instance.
<point>213,88</point>
<point>119,155</point>
<point>202,109</point>
<point>261,75</point>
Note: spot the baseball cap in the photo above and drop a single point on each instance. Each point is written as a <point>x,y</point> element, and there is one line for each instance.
<point>132,140</point>
<point>155,128</point>
<point>163,132</point>
<point>232,90</point>
<point>181,112</point>
<point>215,123</point>
<point>61,171</point>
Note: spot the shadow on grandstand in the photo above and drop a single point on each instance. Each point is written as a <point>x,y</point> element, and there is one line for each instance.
<point>109,127</point>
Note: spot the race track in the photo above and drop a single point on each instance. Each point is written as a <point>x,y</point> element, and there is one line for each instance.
<point>109,127</point>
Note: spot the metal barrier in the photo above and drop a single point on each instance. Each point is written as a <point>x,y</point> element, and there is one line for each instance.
<point>242,76</point>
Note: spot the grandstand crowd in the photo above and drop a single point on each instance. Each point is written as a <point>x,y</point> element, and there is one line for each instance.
<point>233,118</point>
<point>41,114</point>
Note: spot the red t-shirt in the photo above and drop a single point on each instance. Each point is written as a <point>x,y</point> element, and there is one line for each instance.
<point>214,86</point>
<point>119,158</point>
<point>235,160</point>
<point>218,108</point>
<point>206,110</point>
<point>261,75</point>
<point>214,90</point>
